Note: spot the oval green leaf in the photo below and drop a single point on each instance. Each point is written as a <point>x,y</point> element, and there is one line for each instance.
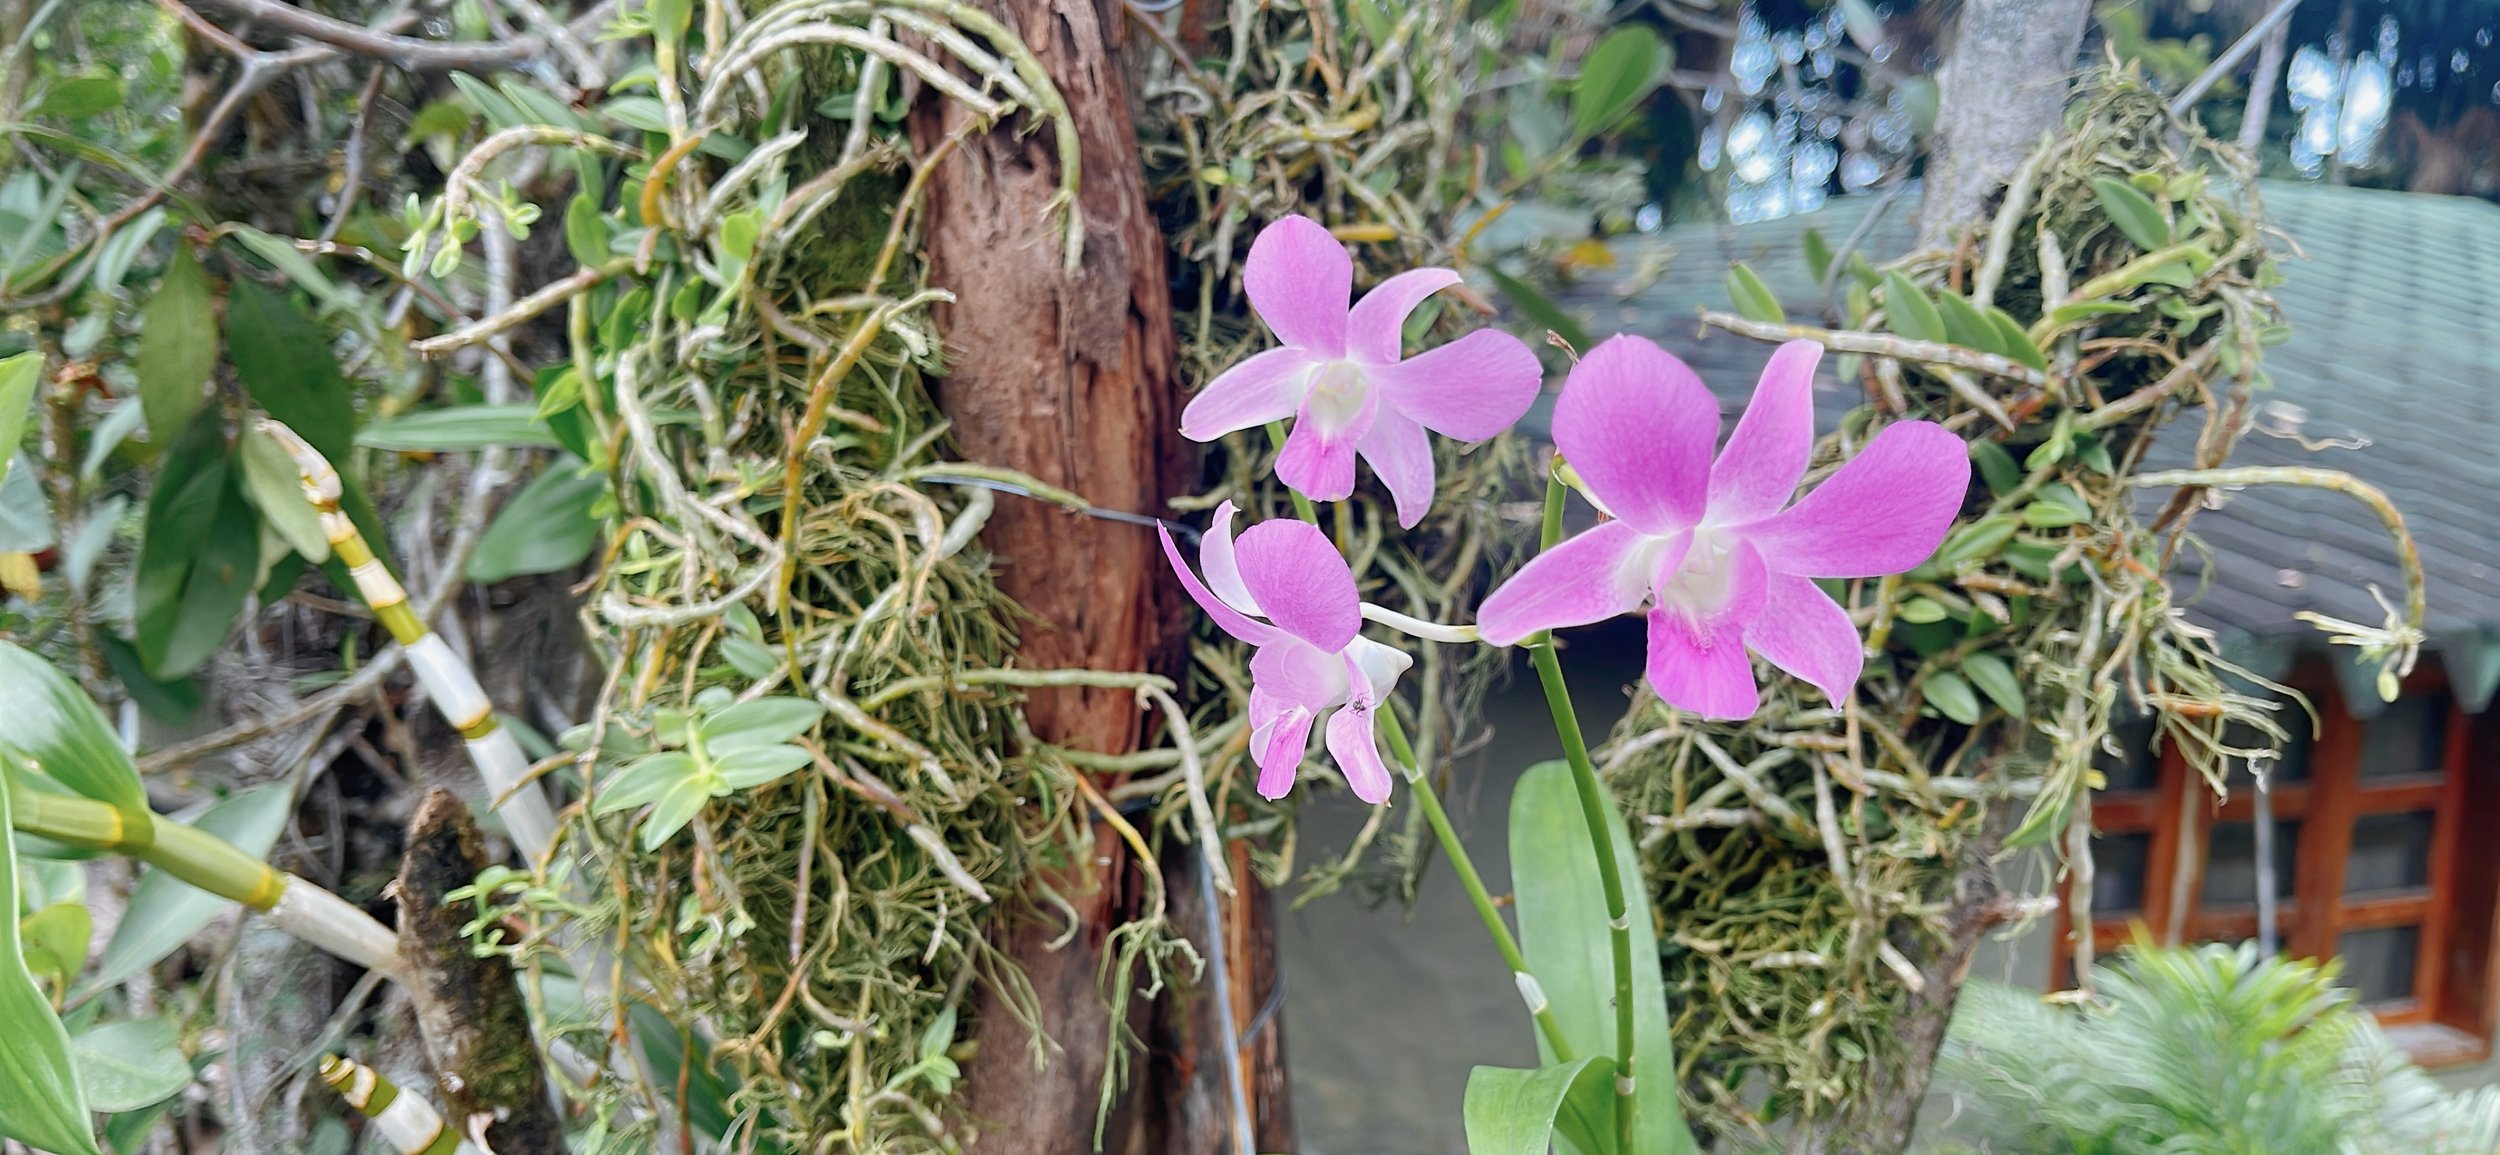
<point>1615,77</point>
<point>285,362</point>
<point>762,722</point>
<point>1754,299</point>
<point>1952,697</point>
<point>1909,312</point>
<point>2134,213</point>
<point>1995,677</point>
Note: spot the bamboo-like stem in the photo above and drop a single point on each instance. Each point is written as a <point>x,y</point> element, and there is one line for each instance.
<point>447,679</point>
<point>210,863</point>
<point>1530,991</point>
<point>410,1124</point>
<point>1601,837</point>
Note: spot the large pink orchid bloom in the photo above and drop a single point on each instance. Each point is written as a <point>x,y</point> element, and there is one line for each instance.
<point>1309,656</point>
<point>1340,376</point>
<point>1715,550</point>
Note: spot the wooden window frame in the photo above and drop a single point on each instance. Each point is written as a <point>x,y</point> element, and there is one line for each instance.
<point>2455,984</point>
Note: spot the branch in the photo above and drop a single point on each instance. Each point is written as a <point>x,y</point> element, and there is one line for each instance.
<point>1880,345</point>
<point>2224,63</point>
<point>407,52</point>
<point>2393,645</point>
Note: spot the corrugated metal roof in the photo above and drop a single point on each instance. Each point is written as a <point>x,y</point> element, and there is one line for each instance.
<point>2392,374</point>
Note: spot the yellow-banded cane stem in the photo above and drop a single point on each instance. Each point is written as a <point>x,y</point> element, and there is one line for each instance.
<point>204,860</point>
<point>446,678</point>
<point>410,1124</point>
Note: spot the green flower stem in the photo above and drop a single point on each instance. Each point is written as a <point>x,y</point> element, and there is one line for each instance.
<point>1503,941</point>
<point>1302,507</point>
<point>1601,836</point>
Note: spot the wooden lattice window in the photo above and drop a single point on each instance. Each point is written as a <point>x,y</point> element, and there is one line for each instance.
<point>2384,853</point>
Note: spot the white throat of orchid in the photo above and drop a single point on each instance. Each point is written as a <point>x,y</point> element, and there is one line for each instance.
<point>1339,397</point>
<point>1704,580</point>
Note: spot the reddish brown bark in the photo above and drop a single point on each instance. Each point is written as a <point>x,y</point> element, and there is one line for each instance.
<point>1068,378</point>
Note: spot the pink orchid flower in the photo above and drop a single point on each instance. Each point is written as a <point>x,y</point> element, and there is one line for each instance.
<point>1308,657</point>
<point>1340,377</point>
<point>1715,550</point>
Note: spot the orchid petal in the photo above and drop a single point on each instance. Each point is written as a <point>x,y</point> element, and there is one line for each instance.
<point>1697,656</point>
<point>1351,743</point>
<point>1401,453</point>
<point>1277,746</point>
<point>1298,578</point>
<point>1227,618</point>
<point>1267,387</point>
<point>1299,279</point>
<point>1804,632</point>
<point>1884,512</point>
<point>1376,328</point>
<point>1758,470</point>
<point>1470,389</point>
<point>1317,463</point>
<point>1289,672</point>
<point>1584,579</point>
<point>1215,556</point>
<point>1375,668</point>
<point>1638,426</point>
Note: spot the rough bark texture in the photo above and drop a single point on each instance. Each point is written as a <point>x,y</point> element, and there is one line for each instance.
<point>1193,1098</point>
<point>469,1009</point>
<point>1070,379</point>
<point>2003,85</point>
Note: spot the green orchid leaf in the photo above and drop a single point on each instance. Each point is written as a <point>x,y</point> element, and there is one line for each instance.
<point>683,800</point>
<point>1754,299</point>
<point>545,528</point>
<point>460,429</point>
<point>1912,314</point>
<point>1513,1112</point>
<point>284,360</point>
<point>762,722</point>
<point>1616,76</point>
<point>44,1105</point>
<point>644,781</point>
<point>53,723</point>
<point>1563,932</point>
<point>275,487</point>
<point>130,1064</point>
<point>2134,213</point>
<point>1952,697</point>
<point>1966,326</point>
<point>1995,677</point>
<point>748,767</point>
<point>19,375</point>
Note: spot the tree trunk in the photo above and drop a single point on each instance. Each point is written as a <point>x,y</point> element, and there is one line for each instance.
<point>2002,87</point>
<point>1192,1108</point>
<point>469,1006</point>
<point>1069,379</point>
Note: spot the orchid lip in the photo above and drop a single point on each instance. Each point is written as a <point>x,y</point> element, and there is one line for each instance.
<point>1337,396</point>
